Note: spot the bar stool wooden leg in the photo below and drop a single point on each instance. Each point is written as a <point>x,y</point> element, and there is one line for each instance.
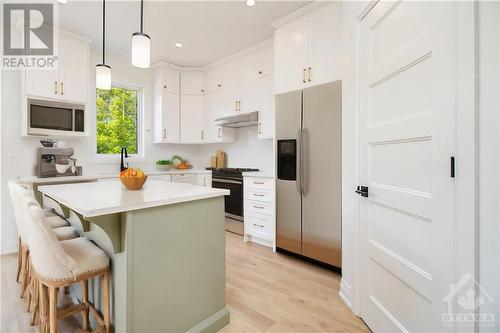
<point>30,286</point>
<point>85,300</point>
<point>24,271</point>
<point>19,258</point>
<point>105,299</point>
<point>43,307</point>
<point>53,309</point>
<point>35,300</point>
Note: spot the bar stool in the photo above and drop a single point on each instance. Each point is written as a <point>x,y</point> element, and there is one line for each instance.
<point>58,264</point>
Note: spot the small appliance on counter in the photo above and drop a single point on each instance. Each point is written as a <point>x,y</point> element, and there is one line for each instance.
<point>57,162</point>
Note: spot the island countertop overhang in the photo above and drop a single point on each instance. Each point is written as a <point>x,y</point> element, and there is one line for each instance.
<point>110,197</point>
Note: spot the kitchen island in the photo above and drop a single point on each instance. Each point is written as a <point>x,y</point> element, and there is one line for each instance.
<point>167,249</point>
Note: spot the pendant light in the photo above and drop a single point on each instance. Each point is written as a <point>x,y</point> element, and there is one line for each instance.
<point>141,45</point>
<point>103,71</point>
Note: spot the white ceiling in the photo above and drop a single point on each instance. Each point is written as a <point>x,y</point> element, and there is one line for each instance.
<point>209,30</point>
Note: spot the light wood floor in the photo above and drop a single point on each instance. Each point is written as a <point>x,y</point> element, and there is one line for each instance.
<point>265,292</point>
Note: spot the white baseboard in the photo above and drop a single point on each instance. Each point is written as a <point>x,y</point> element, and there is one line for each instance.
<point>345,293</point>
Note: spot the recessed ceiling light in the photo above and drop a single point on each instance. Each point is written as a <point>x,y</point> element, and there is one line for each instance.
<point>178,45</point>
<point>250,3</point>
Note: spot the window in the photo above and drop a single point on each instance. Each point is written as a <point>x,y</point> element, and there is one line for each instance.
<point>118,120</point>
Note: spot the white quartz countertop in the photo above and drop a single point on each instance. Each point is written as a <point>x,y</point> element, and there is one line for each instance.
<point>258,174</point>
<point>102,198</point>
<point>89,177</point>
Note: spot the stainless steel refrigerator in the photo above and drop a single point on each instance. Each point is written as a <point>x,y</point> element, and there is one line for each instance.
<point>309,172</point>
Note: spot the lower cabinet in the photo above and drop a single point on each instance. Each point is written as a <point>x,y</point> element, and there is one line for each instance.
<point>166,178</point>
<point>259,211</point>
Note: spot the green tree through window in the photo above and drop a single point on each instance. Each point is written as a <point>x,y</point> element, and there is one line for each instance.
<point>117,120</point>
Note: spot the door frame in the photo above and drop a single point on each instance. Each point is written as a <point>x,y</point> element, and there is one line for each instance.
<point>466,154</point>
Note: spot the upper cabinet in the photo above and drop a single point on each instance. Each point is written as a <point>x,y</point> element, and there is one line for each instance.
<point>192,130</point>
<point>192,83</point>
<point>240,78</point>
<point>213,80</point>
<point>166,105</point>
<point>307,50</point>
<point>69,81</point>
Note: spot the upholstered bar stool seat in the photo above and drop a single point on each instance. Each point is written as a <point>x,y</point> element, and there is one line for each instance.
<point>61,264</point>
<point>65,233</point>
<point>56,221</point>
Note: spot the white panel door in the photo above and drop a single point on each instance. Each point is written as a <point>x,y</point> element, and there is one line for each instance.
<point>266,61</point>
<point>191,118</point>
<point>170,117</point>
<point>73,69</point>
<point>408,69</point>
<point>42,83</point>
<point>231,83</point>
<point>290,56</point>
<point>213,80</point>
<point>249,83</point>
<point>170,80</point>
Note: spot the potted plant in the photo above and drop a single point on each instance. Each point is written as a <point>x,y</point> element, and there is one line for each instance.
<point>163,165</point>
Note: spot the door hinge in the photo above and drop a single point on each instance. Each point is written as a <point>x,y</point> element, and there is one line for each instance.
<point>452,166</point>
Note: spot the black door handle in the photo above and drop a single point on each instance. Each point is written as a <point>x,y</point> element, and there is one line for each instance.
<point>363,190</point>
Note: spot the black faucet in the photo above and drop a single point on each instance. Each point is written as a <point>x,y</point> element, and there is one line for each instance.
<point>122,165</point>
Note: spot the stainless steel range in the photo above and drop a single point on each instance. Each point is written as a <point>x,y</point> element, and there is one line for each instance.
<point>231,179</point>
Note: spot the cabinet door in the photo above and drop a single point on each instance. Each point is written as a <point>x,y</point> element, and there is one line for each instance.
<point>248,90</point>
<point>290,56</point>
<point>213,80</point>
<point>192,83</point>
<point>191,118</point>
<point>231,79</point>
<point>73,69</point>
<point>266,61</point>
<point>169,80</point>
<point>170,117</point>
<point>42,83</point>
<point>266,113</point>
<point>325,36</point>
<point>212,111</point>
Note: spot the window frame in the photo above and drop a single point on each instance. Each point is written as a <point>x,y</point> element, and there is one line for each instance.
<point>140,125</point>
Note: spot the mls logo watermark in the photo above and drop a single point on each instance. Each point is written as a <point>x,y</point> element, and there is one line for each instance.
<point>464,300</point>
<point>29,39</point>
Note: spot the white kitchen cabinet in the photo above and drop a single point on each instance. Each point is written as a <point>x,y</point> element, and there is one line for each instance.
<point>231,79</point>
<point>165,178</point>
<point>170,117</point>
<point>188,178</point>
<point>69,81</point>
<point>213,80</point>
<point>192,118</point>
<point>265,127</point>
<point>307,50</point>
<point>192,83</point>
<point>266,61</point>
<point>211,111</point>
<point>168,80</point>
<point>259,210</point>
<point>248,88</point>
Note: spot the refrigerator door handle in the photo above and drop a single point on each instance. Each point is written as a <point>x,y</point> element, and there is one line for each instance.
<point>299,158</point>
<point>303,157</point>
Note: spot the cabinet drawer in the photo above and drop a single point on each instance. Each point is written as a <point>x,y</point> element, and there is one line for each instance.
<point>259,195</point>
<point>259,225</point>
<point>258,207</point>
<point>259,183</point>
<point>184,178</point>
<point>166,178</point>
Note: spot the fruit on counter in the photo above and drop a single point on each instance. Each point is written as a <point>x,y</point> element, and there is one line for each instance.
<point>164,162</point>
<point>183,165</point>
<point>131,172</point>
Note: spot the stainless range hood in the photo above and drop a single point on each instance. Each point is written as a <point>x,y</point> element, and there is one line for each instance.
<point>240,120</point>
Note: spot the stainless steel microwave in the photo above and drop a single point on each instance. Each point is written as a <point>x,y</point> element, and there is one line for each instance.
<point>55,118</point>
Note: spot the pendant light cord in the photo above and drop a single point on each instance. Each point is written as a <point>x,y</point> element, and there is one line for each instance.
<point>103,32</point>
<point>142,13</point>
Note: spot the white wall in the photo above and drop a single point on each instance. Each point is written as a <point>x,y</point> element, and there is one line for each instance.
<point>246,152</point>
<point>489,156</point>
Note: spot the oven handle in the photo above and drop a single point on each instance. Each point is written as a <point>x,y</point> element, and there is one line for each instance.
<point>227,181</point>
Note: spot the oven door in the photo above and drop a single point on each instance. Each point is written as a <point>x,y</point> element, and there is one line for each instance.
<point>233,201</point>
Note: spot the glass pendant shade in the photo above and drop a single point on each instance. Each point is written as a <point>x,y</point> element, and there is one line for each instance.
<point>141,44</point>
<point>103,77</point>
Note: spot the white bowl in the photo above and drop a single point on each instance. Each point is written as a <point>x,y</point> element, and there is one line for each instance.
<point>62,168</point>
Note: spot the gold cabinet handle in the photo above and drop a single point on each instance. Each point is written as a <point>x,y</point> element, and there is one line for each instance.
<point>304,75</point>
<point>258,195</point>
<point>235,105</point>
<point>164,133</point>
<point>258,225</point>
<point>258,183</point>
<point>258,207</point>
<point>62,88</point>
<point>202,134</point>
<point>55,87</point>
<point>219,133</point>
<point>260,128</point>
<point>309,74</point>
<point>239,105</point>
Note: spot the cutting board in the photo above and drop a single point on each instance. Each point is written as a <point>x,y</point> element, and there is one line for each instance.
<point>221,159</point>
